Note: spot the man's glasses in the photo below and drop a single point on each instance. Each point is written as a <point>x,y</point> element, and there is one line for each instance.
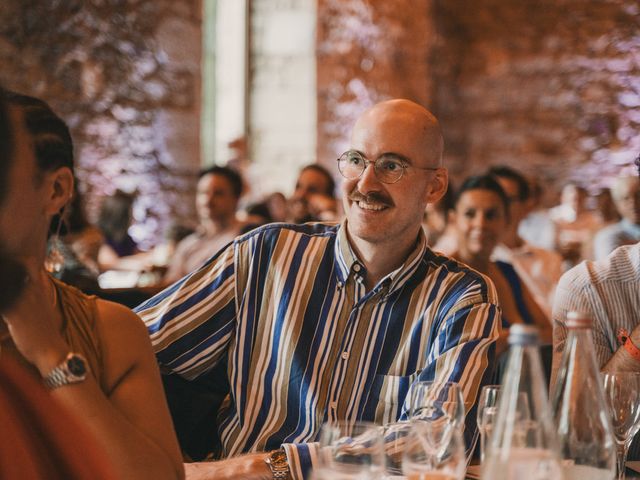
<point>388,168</point>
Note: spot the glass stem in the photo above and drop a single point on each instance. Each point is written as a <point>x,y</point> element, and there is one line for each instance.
<point>621,456</point>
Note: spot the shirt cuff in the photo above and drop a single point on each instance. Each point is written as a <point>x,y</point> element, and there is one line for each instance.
<point>301,457</point>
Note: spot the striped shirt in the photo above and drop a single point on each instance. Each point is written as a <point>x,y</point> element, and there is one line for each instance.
<point>608,290</point>
<point>305,343</point>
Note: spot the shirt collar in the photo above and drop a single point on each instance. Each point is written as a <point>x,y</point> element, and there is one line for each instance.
<point>347,261</point>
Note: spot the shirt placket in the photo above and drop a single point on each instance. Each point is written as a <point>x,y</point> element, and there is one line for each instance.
<point>356,300</point>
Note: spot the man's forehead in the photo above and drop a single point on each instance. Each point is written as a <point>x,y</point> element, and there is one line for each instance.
<point>213,179</point>
<point>398,126</point>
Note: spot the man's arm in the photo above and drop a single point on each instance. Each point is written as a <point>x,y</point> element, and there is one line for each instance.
<point>191,322</point>
<point>468,336</point>
<point>251,466</point>
<point>576,293</point>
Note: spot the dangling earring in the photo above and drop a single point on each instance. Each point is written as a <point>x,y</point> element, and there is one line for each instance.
<point>55,258</point>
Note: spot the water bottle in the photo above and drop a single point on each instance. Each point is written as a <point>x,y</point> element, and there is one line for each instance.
<point>524,443</point>
<point>583,423</point>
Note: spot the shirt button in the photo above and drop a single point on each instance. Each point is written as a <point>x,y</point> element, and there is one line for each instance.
<point>345,355</point>
<point>356,267</point>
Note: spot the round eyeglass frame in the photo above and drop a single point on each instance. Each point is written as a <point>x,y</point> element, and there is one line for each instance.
<point>366,163</point>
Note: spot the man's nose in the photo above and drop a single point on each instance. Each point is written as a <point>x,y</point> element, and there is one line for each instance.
<point>368,181</point>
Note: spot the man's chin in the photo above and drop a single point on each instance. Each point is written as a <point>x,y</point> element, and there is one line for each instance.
<point>369,235</point>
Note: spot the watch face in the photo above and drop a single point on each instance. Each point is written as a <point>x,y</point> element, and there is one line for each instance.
<point>76,366</point>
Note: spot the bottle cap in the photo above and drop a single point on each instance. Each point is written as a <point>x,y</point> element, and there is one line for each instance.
<point>579,320</point>
<point>520,334</point>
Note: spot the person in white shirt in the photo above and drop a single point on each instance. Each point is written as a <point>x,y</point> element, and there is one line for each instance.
<point>575,225</point>
<point>217,196</point>
<point>626,196</point>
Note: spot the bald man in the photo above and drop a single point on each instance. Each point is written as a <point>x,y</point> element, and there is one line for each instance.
<point>325,322</point>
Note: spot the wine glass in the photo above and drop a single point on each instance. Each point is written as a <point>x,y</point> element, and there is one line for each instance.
<point>487,409</point>
<point>432,400</point>
<point>395,441</point>
<point>434,450</point>
<point>623,392</point>
<point>350,451</point>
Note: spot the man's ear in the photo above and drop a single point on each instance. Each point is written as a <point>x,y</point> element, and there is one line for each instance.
<point>437,185</point>
<point>61,189</point>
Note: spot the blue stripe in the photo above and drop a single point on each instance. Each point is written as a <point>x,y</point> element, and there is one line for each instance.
<point>516,288</point>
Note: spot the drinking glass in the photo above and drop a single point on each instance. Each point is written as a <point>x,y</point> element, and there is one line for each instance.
<point>487,408</point>
<point>395,440</point>
<point>434,450</point>
<point>622,390</point>
<point>432,400</point>
<point>350,451</point>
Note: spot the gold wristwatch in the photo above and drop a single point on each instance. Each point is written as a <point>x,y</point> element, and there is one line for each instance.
<point>278,464</point>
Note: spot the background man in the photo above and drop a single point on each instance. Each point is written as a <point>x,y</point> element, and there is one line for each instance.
<point>323,322</point>
<point>314,197</point>
<point>626,196</point>
<point>218,192</point>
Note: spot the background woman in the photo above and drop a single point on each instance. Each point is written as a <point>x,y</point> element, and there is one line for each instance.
<point>480,215</point>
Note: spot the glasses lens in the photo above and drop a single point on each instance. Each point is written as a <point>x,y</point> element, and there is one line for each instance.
<point>389,170</point>
<point>351,164</point>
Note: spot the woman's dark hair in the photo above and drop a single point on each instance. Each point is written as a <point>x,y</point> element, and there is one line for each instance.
<point>502,171</point>
<point>50,135</point>
<point>6,144</point>
<point>12,274</point>
<point>114,218</point>
<point>484,182</point>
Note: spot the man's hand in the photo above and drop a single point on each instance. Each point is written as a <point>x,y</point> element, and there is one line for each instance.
<point>246,467</point>
<point>622,361</point>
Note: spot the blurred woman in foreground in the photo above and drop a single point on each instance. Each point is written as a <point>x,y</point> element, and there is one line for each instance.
<point>480,215</point>
<point>39,438</point>
<point>94,356</point>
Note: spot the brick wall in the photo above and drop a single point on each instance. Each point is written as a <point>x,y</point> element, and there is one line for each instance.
<point>125,76</point>
<point>551,87</point>
<point>368,51</point>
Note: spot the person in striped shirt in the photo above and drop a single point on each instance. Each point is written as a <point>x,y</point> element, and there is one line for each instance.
<point>322,322</point>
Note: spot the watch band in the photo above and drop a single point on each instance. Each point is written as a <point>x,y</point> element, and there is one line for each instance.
<point>625,339</point>
<point>72,369</point>
<point>278,464</point>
